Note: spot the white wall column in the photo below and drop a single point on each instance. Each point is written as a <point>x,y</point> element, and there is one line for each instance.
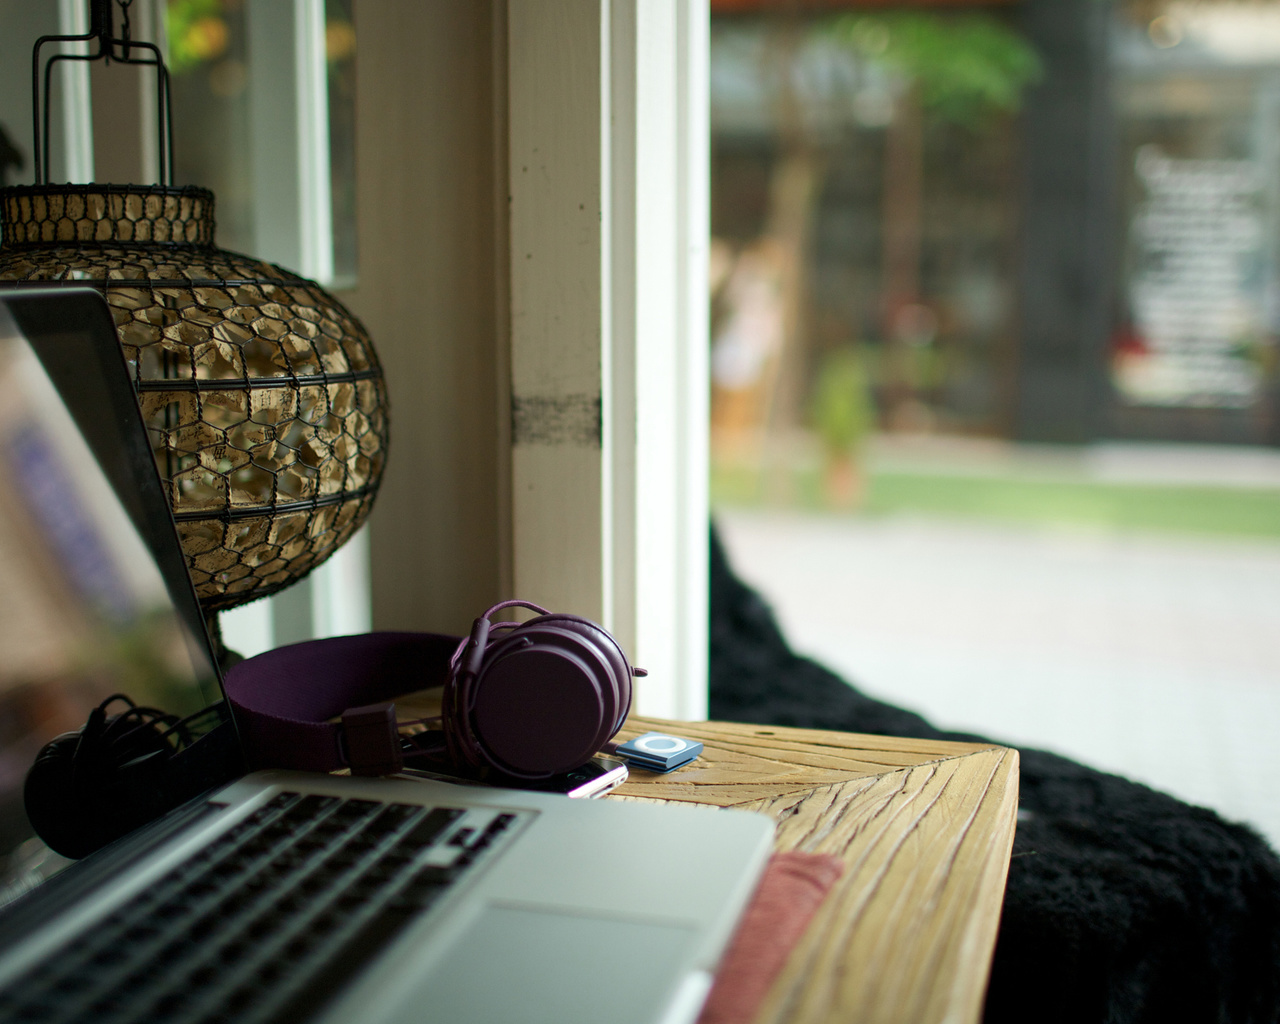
<point>560,273</point>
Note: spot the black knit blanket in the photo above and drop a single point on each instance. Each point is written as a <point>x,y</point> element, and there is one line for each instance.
<point>1123,904</point>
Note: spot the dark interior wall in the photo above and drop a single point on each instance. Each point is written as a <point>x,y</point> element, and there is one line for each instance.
<point>1068,237</point>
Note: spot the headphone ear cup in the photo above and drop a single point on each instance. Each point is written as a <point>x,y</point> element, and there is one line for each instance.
<point>540,699</point>
<point>55,804</point>
<point>540,706</point>
<point>619,675</point>
<point>75,796</point>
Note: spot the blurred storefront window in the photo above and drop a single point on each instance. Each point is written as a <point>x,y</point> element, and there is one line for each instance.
<point>1197,93</point>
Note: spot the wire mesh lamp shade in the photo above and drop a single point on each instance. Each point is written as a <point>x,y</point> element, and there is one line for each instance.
<point>263,397</point>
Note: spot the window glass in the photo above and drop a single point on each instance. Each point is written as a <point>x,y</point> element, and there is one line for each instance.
<point>995,299</point>
<point>209,63</point>
<point>240,126</point>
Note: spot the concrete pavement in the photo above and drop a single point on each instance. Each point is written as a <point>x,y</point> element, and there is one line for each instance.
<point>1157,658</point>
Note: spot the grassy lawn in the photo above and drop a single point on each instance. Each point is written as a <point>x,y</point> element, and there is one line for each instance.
<point>1244,512</point>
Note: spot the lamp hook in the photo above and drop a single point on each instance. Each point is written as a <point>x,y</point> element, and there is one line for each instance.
<point>100,31</point>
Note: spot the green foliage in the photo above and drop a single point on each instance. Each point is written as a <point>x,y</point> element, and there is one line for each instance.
<point>842,410</point>
<point>1091,505</point>
<point>965,67</point>
<point>197,33</point>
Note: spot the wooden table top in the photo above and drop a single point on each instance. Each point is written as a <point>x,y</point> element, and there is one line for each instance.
<point>925,829</point>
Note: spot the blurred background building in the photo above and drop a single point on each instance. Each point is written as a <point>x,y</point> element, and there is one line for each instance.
<point>1047,220</point>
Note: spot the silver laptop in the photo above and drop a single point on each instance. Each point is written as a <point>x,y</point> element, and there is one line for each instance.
<point>287,896</point>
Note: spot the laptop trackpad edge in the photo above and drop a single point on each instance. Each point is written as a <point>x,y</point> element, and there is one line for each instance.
<point>533,964</point>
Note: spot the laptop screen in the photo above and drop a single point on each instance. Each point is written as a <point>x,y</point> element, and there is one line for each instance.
<point>86,611</point>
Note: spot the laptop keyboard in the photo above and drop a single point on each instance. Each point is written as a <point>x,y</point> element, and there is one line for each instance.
<point>265,924</point>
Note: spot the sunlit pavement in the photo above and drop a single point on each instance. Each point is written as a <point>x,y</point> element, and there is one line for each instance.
<point>1154,657</point>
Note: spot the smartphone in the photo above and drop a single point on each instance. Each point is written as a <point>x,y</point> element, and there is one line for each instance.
<point>595,778</point>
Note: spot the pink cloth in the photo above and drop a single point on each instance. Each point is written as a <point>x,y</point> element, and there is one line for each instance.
<point>790,892</point>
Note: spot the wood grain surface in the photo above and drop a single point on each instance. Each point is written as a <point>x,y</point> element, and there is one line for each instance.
<point>925,829</point>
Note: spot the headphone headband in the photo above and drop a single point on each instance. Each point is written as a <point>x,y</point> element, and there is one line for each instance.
<point>531,699</point>
<point>284,700</point>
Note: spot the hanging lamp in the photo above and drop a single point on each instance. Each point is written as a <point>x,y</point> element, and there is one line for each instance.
<point>262,394</point>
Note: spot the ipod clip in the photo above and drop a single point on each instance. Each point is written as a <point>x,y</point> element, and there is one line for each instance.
<point>659,752</point>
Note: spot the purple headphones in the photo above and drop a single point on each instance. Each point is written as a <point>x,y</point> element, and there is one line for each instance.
<point>529,699</point>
